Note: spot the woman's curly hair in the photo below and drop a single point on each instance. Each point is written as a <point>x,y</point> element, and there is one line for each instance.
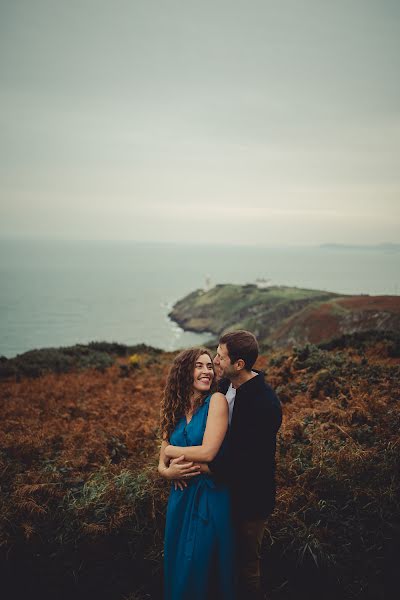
<point>178,389</point>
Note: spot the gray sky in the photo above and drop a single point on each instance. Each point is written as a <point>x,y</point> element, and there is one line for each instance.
<point>253,121</point>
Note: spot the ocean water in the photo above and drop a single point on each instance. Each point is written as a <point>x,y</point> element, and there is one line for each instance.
<point>59,293</point>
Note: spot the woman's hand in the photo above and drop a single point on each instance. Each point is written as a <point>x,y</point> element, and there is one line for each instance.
<point>181,470</point>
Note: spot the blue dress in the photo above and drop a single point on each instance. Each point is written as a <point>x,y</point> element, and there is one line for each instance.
<point>199,538</point>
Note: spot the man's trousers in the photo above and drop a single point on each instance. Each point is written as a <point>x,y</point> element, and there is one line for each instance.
<point>249,539</point>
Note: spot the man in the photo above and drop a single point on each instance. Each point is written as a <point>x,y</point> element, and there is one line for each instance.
<point>255,416</point>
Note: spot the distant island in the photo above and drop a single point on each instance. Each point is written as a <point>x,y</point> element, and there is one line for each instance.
<point>282,316</point>
<point>384,247</point>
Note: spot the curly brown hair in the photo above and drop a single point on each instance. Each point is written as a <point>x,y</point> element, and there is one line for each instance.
<point>176,401</point>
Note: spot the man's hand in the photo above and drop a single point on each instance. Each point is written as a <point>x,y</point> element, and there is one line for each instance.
<point>180,484</point>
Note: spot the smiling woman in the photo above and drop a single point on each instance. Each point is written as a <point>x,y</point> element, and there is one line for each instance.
<point>198,549</point>
<point>203,373</point>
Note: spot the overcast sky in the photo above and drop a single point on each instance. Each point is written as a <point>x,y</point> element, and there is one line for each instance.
<point>254,121</point>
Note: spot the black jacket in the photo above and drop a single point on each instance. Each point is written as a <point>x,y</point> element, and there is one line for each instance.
<point>248,464</point>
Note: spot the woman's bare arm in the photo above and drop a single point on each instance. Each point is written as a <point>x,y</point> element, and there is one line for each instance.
<point>175,469</point>
<point>216,428</point>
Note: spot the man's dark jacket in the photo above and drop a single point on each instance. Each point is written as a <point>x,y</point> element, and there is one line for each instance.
<point>248,464</point>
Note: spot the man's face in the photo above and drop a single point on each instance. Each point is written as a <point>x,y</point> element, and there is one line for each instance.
<point>222,362</point>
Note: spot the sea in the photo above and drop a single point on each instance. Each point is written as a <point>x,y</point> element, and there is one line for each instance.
<point>60,293</point>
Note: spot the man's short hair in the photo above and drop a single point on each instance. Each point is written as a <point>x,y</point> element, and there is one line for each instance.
<point>241,344</point>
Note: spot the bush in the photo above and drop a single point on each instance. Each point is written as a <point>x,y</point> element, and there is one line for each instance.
<point>56,360</point>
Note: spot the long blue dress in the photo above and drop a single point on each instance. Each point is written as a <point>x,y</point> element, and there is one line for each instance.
<point>199,539</point>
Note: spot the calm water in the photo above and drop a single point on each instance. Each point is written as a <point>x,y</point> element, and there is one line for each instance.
<point>63,293</point>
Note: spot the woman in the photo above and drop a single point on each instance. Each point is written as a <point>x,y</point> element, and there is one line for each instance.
<point>198,549</point>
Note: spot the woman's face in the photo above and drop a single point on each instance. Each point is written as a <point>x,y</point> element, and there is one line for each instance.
<point>203,373</point>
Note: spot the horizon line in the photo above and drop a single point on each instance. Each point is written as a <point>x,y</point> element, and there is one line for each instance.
<point>190,243</point>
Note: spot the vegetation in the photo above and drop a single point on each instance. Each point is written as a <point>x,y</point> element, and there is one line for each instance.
<point>97,355</point>
<point>83,507</point>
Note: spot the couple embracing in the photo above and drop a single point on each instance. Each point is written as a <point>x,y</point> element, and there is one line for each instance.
<point>218,450</point>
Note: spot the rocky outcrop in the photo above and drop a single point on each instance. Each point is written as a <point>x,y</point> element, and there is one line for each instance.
<point>282,316</point>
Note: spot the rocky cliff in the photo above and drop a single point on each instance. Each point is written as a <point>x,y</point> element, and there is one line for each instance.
<point>282,316</point>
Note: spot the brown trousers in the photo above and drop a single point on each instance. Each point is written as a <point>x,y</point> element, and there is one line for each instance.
<point>249,538</point>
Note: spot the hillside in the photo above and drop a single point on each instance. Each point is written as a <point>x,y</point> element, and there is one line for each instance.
<point>282,316</point>
<point>83,507</point>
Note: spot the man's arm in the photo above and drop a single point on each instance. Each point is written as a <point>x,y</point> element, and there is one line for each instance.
<point>256,431</point>
<point>219,466</point>
<point>254,440</point>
